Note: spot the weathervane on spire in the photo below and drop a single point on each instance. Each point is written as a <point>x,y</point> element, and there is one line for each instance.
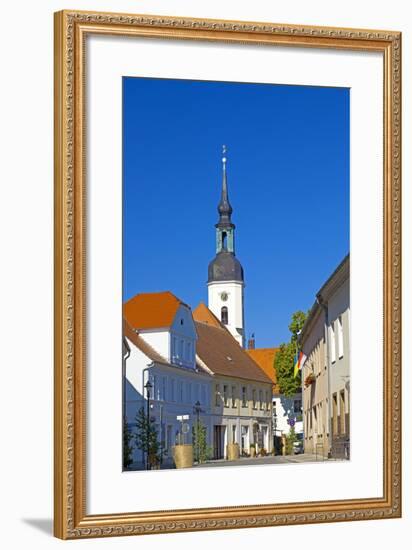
<point>224,151</point>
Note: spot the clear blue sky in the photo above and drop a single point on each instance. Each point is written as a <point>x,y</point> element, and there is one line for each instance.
<point>288,177</point>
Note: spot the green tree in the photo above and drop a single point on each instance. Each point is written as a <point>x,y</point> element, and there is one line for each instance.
<point>296,324</point>
<point>285,358</point>
<point>290,440</point>
<point>201,450</point>
<point>146,436</point>
<point>127,445</point>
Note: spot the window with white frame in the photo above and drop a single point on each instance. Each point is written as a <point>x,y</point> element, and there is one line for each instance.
<point>233,396</point>
<point>244,396</point>
<point>261,399</point>
<point>172,390</point>
<point>155,388</point>
<point>163,389</point>
<point>340,337</point>
<point>226,395</point>
<point>174,347</point>
<point>332,343</point>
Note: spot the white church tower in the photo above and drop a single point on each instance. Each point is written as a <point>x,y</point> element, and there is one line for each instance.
<point>225,275</point>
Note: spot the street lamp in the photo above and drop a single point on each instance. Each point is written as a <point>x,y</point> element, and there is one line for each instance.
<point>197,410</point>
<point>275,425</point>
<point>148,387</point>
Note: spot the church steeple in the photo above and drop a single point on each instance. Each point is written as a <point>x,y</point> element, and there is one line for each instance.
<point>225,229</point>
<point>225,273</point>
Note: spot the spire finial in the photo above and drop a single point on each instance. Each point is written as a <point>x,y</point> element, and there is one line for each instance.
<point>224,208</point>
<point>224,157</point>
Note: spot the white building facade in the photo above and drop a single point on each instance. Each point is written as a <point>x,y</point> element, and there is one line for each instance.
<point>166,358</point>
<point>287,411</point>
<point>241,398</point>
<point>325,340</point>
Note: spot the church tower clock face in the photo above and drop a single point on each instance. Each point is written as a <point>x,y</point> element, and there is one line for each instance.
<point>225,274</point>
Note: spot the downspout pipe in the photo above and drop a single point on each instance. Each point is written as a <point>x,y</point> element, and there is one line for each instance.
<point>125,358</point>
<point>149,365</point>
<point>323,305</point>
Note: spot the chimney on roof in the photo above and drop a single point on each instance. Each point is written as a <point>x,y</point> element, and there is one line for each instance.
<point>251,341</point>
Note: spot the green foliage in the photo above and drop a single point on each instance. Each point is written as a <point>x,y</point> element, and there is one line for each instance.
<point>296,324</point>
<point>146,436</point>
<point>202,451</point>
<point>127,445</point>
<point>290,439</point>
<point>285,358</point>
<point>284,362</point>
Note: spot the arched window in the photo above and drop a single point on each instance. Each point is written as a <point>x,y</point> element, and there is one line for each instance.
<point>224,317</point>
<point>224,240</point>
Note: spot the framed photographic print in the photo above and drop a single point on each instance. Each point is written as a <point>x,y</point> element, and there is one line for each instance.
<point>227,274</point>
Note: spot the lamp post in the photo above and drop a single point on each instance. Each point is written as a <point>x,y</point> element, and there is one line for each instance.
<point>197,410</point>
<point>275,426</point>
<point>148,387</point>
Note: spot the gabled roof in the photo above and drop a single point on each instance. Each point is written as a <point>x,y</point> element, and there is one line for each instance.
<point>151,310</point>
<point>221,353</point>
<point>265,358</point>
<point>141,344</point>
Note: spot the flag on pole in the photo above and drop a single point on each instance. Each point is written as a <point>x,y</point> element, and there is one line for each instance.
<point>299,362</point>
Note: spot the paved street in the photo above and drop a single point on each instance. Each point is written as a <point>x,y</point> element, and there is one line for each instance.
<point>291,459</point>
<point>296,459</point>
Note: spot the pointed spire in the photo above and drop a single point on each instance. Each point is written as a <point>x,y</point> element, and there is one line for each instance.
<point>224,208</point>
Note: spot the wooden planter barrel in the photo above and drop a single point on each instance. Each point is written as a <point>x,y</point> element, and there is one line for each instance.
<point>233,452</point>
<point>183,456</point>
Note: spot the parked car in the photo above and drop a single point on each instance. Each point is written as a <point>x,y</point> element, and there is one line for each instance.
<point>298,444</point>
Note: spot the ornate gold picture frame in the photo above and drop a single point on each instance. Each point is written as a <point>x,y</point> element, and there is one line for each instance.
<point>70,518</point>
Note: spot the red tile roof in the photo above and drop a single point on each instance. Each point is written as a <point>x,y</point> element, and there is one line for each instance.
<point>265,358</point>
<point>220,352</point>
<point>151,310</point>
